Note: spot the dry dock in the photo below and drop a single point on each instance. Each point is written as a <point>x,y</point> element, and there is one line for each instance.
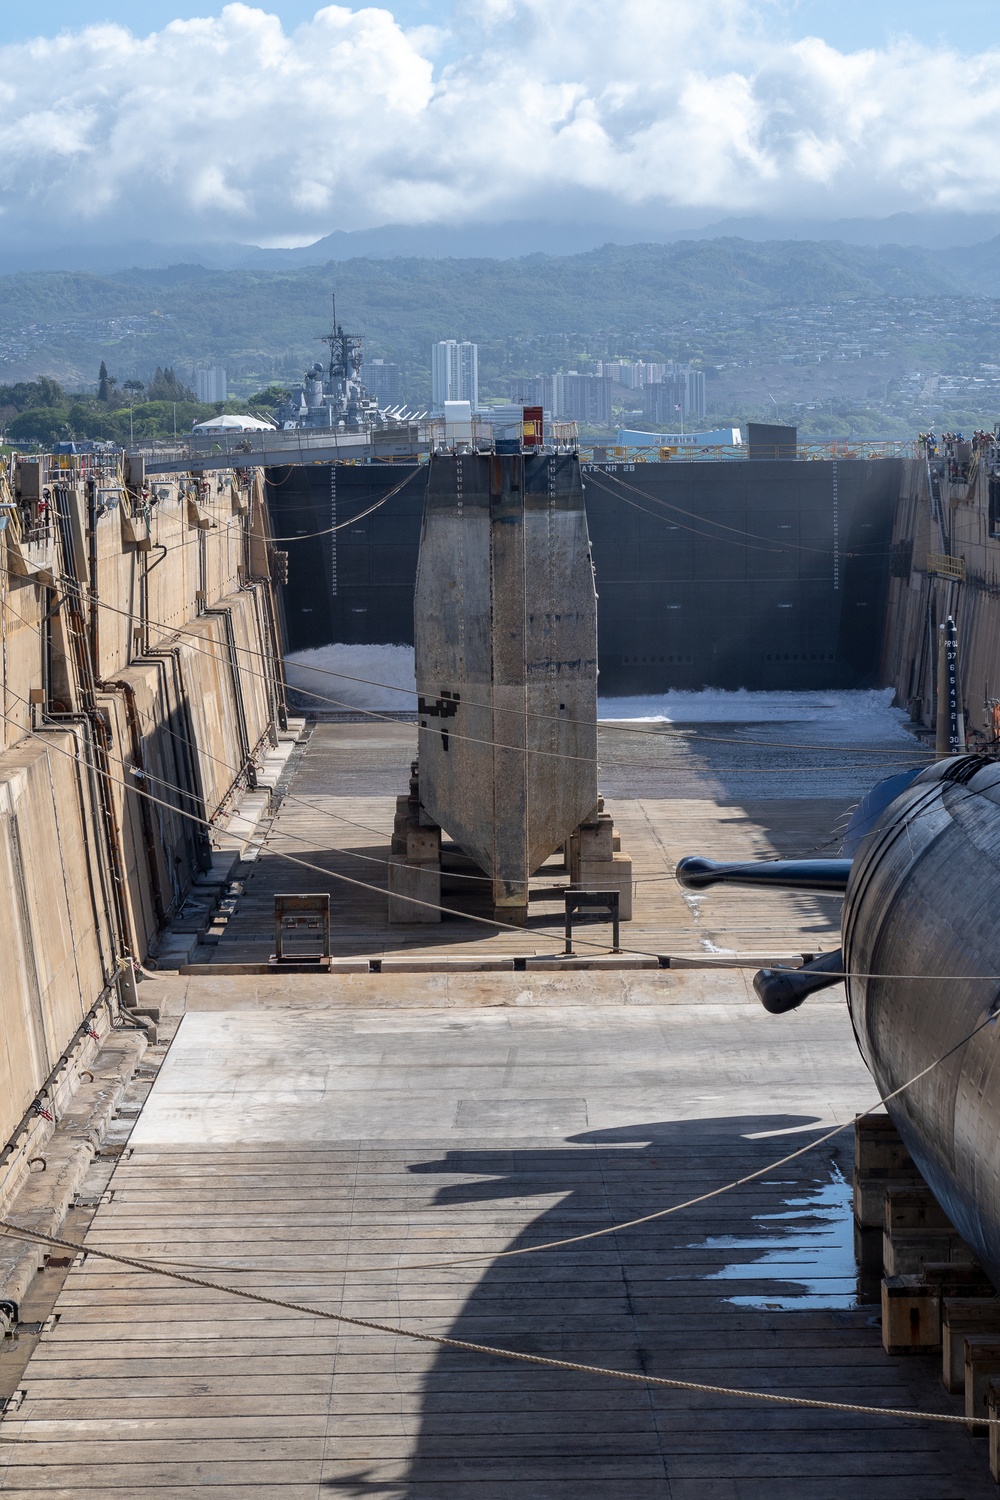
<point>349,1140</point>
<point>664,787</point>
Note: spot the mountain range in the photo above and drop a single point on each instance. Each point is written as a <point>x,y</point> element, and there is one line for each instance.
<point>266,320</point>
<point>501,241</point>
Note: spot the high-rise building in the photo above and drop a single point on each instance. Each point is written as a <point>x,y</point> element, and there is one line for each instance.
<point>210,384</point>
<point>531,390</point>
<point>382,379</point>
<point>582,398</point>
<point>696,392</point>
<point>665,401</point>
<point>677,394</point>
<point>627,373</point>
<point>454,373</point>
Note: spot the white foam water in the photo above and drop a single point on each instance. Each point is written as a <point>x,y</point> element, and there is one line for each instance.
<point>379,677</point>
<point>382,677</point>
<point>852,715</point>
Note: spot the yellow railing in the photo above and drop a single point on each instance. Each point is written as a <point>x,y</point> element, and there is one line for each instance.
<point>842,448</point>
<point>946,567</point>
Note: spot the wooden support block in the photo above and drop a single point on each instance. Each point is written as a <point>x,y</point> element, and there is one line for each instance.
<point>877,1147</point>
<point>913,1208</point>
<point>982,1364</point>
<point>423,843</point>
<point>870,1189</point>
<point>905,1251</point>
<point>960,1317</point>
<point>868,1248</point>
<point>613,874</point>
<point>993,1412</point>
<point>592,840</point>
<point>421,882</point>
<point>868,1254</point>
<point>911,1316</point>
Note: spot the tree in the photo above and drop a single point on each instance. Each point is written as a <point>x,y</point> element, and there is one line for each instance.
<point>44,424</point>
<point>105,384</point>
<point>26,395</point>
<point>271,395</point>
<point>134,389</point>
<point>50,392</point>
<point>165,386</point>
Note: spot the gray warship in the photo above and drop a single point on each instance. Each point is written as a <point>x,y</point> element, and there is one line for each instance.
<point>334,397</point>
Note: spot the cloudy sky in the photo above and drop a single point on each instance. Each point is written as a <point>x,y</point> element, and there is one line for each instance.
<point>176,121</point>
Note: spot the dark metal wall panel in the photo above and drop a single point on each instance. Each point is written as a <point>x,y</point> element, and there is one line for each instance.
<point>355,584</point>
<point>727,575</point>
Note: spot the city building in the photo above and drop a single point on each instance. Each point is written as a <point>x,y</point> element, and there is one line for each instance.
<point>677,396</point>
<point>582,398</point>
<point>210,384</point>
<point>531,390</point>
<point>454,373</point>
<point>628,373</point>
<point>382,380</point>
<point>665,401</point>
<point>695,392</point>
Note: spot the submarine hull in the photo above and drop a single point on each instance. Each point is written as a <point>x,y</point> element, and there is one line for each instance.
<point>921,942</point>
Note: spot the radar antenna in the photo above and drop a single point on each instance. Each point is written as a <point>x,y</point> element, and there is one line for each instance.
<point>345,349</point>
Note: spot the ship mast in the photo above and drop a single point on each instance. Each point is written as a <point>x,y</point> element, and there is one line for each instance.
<point>345,350</point>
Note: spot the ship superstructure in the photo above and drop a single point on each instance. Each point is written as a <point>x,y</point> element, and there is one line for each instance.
<point>334,398</point>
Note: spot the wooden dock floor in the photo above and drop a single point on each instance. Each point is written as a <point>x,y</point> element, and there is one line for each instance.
<point>673,791</point>
<point>335,1140</point>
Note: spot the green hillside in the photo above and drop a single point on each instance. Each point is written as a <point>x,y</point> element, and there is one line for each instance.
<point>722,302</point>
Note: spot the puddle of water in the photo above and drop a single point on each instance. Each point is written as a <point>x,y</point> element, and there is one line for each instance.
<point>810,1247</point>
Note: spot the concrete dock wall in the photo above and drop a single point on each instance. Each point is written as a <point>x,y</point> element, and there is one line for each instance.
<point>945,560</point>
<point>140,663</point>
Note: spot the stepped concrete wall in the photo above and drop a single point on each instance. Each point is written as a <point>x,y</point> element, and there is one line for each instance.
<point>141,673</point>
<point>945,561</point>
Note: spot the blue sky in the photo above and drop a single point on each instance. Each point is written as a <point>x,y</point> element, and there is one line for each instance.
<point>846,24</point>
<point>19,22</point>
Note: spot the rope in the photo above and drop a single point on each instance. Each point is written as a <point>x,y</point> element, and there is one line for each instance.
<point>604,725</point>
<point>466,916</point>
<point>735,1392</point>
<point>739,531</point>
<point>889,758</point>
<point>662,1213</point>
<point>307,536</point>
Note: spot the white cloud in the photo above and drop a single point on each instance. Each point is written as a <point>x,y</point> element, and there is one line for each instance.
<point>230,127</point>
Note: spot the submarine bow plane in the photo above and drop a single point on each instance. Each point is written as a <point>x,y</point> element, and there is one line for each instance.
<point>920,958</point>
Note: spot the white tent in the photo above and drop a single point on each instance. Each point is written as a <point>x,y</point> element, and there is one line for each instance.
<point>233,424</point>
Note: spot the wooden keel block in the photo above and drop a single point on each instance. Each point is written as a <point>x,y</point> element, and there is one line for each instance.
<point>960,1317</point>
<point>911,1316</point>
<point>870,1189</point>
<point>958,1278</point>
<point>905,1251</point>
<point>878,1148</point>
<point>982,1364</point>
<point>868,1249</point>
<point>993,1412</point>
<point>913,1208</point>
<point>414,892</point>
